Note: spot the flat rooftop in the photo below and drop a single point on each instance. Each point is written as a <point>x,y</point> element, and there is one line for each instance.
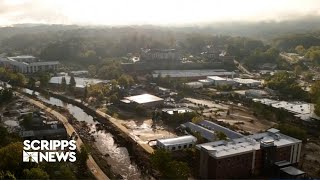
<point>144,98</point>
<point>292,171</point>
<point>216,78</point>
<point>302,110</point>
<point>220,149</point>
<point>80,82</point>
<point>178,140</point>
<point>23,56</point>
<point>192,73</point>
<point>246,81</point>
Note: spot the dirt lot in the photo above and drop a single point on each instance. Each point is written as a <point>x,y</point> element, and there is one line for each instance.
<point>143,128</point>
<point>238,115</point>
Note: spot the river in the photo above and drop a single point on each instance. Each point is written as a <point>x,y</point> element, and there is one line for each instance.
<point>118,158</point>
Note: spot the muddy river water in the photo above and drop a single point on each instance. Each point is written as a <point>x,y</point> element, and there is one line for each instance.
<point>118,157</point>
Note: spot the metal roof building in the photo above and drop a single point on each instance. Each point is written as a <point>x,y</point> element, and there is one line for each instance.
<point>178,143</point>
<point>192,73</point>
<point>205,133</point>
<point>216,127</point>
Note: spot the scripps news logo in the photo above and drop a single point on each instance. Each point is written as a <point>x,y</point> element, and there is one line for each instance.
<point>49,151</point>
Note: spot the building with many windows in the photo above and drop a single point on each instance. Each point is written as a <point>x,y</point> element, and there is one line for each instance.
<point>28,64</point>
<point>248,156</point>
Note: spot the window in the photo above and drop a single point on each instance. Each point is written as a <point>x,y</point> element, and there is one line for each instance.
<point>173,148</point>
<point>185,146</point>
<point>179,147</point>
<point>190,145</point>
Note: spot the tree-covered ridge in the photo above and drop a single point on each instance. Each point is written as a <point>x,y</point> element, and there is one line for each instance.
<point>286,84</point>
<point>290,42</point>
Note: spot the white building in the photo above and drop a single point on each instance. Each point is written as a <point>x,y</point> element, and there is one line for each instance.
<point>178,143</point>
<point>146,100</point>
<point>28,64</point>
<point>302,110</point>
<point>247,82</point>
<point>219,81</point>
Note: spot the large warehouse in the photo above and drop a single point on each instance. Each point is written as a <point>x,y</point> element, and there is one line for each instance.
<point>146,100</point>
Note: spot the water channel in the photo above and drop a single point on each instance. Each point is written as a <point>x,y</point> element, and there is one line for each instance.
<point>118,156</point>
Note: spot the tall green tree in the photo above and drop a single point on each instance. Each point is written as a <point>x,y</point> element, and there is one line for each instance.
<point>44,79</point>
<point>92,70</point>
<point>63,84</point>
<point>317,108</point>
<point>125,80</point>
<point>72,83</point>
<point>11,157</point>
<point>35,173</point>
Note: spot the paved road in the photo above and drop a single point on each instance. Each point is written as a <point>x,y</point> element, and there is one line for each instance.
<point>114,121</point>
<point>92,165</point>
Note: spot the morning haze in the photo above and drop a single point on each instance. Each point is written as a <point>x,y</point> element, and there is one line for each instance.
<point>170,89</point>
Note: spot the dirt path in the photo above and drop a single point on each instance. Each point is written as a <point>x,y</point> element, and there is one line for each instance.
<point>92,165</point>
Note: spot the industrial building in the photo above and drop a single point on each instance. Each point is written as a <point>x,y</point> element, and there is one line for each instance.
<point>207,134</point>
<point>80,82</point>
<point>172,111</point>
<point>208,130</point>
<point>146,100</point>
<point>153,55</point>
<point>177,143</point>
<point>302,110</point>
<point>219,81</point>
<point>248,156</point>
<point>247,82</point>
<point>193,74</point>
<point>217,128</point>
<point>28,64</point>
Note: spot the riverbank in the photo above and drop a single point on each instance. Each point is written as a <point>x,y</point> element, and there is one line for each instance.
<point>136,152</point>
<point>92,165</point>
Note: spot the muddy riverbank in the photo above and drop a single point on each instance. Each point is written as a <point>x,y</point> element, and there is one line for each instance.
<point>136,153</point>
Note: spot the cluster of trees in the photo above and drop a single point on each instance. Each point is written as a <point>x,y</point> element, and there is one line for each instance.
<point>179,118</point>
<point>260,57</point>
<point>12,77</point>
<point>12,167</point>
<point>5,95</point>
<point>91,46</point>
<point>286,84</point>
<point>169,168</point>
<point>313,53</point>
<point>290,42</point>
<point>294,131</point>
<point>107,69</point>
<point>315,96</point>
<point>112,91</point>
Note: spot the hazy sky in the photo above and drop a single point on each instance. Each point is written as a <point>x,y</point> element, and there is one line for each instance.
<point>121,12</point>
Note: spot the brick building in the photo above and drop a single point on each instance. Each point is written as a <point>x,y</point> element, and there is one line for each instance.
<point>249,156</point>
